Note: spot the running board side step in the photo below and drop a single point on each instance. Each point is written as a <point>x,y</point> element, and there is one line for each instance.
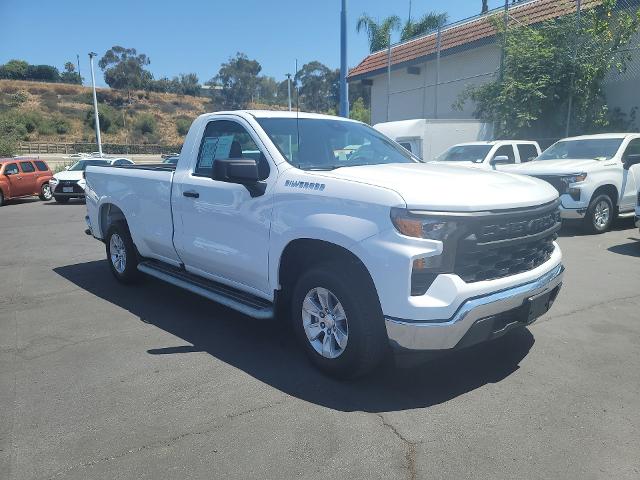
<point>629,214</point>
<point>247,304</point>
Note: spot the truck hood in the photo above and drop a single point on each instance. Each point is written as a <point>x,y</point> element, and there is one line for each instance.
<point>460,164</point>
<point>452,188</point>
<point>556,167</point>
<point>67,175</point>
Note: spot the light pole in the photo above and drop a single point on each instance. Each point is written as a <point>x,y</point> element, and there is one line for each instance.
<point>289,89</point>
<point>95,103</point>
<point>344,92</point>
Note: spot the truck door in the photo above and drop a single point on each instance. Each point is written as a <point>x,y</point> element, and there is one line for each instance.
<point>221,232</point>
<point>630,177</point>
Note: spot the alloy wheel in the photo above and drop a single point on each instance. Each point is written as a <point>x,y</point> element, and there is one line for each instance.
<point>118,253</point>
<point>325,322</point>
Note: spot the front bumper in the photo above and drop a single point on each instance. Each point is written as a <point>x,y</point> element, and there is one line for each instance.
<point>468,319</point>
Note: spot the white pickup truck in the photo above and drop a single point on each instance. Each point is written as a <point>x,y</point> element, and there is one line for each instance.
<point>490,155</point>
<point>597,176</point>
<point>334,226</point>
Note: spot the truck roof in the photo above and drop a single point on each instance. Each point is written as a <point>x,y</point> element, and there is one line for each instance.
<point>602,136</point>
<point>278,114</point>
<point>495,142</point>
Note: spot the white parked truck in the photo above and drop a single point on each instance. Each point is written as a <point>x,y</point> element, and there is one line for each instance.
<point>491,155</point>
<point>597,176</point>
<point>333,225</point>
<point>428,138</point>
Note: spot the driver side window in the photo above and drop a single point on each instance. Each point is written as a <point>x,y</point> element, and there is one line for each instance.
<point>225,139</point>
<point>11,169</point>
<point>632,149</point>
<point>505,151</point>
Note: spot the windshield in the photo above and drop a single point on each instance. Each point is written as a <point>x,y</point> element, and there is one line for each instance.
<point>83,164</point>
<point>323,144</point>
<point>465,153</point>
<point>596,149</point>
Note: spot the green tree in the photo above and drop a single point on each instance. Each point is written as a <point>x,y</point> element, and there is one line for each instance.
<point>540,74</point>
<point>428,22</point>
<point>70,75</point>
<point>238,78</point>
<point>317,86</point>
<point>378,32</point>
<point>189,84</point>
<point>124,68</point>
<point>14,70</point>
<point>359,111</point>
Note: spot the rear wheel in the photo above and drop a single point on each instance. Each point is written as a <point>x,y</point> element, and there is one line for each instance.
<point>45,192</point>
<point>600,214</point>
<point>121,253</point>
<point>338,321</point>
<point>1,198</point>
<point>61,199</point>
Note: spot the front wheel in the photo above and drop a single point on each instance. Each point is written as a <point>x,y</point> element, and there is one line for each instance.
<point>1,198</point>
<point>121,253</point>
<point>45,192</point>
<point>338,321</point>
<point>599,214</point>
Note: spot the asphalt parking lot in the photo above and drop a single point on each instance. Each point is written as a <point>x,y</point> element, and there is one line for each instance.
<point>98,380</point>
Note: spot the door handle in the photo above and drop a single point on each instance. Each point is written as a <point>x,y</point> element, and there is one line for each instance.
<point>191,194</point>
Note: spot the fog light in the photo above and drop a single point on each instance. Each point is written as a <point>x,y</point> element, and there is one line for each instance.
<point>575,193</point>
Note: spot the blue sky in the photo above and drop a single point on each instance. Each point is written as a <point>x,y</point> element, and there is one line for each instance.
<point>198,35</point>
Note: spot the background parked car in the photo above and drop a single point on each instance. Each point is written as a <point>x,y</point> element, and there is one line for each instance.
<point>24,177</point>
<point>172,160</point>
<point>491,155</point>
<point>70,182</point>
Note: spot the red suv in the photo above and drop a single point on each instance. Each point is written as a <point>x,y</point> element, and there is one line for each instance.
<point>24,177</point>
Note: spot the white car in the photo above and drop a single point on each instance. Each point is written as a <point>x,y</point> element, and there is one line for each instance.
<point>597,176</point>
<point>362,251</point>
<point>70,182</point>
<point>490,155</point>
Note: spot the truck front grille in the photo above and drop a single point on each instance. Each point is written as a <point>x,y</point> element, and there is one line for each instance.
<point>555,181</point>
<point>507,244</point>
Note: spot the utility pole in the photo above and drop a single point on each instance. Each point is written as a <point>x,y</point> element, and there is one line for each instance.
<point>95,103</point>
<point>344,88</point>
<point>573,74</point>
<point>289,89</point>
<point>78,62</point>
<point>437,86</point>
<point>388,75</point>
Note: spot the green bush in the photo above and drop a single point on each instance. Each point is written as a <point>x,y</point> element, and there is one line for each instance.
<point>145,124</point>
<point>110,119</point>
<point>182,126</point>
<point>53,126</point>
<point>8,146</point>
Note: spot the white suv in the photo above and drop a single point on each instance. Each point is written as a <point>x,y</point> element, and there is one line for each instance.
<point>490,155</point>
<point>596,175</point>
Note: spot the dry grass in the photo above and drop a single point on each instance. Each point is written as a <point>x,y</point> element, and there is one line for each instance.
<point>74,101</point>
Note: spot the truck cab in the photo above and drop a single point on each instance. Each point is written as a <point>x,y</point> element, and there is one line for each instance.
<point>490,155</point>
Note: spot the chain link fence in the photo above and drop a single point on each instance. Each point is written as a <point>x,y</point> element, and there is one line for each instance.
<point>431,76</point>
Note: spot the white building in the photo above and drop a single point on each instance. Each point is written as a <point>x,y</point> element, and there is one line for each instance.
<point>470,54</point>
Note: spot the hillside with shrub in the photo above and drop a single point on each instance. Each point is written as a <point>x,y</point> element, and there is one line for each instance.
<point>63,113</point>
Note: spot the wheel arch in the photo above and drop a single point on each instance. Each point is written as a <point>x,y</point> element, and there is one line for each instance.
<point>296,258</point>
<point>610,190</point>
<point>109,214</point>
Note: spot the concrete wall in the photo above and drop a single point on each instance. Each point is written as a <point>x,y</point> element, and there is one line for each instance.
<point>414,96</point>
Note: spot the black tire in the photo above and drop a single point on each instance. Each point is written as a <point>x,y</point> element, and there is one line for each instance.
<point>127,273</point>
<point>1,198</point>
<point>45,192</point>
<point>594,221</point>
<point>367,342</point>
<point>61,199</point>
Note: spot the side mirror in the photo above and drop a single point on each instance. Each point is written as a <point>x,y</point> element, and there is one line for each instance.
<point>500,160</point>
<point>631,160</point>
<point>243,171</point>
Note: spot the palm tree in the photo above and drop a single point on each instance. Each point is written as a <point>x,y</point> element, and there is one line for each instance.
<point>485,6</point>
<point>428,22</point>
<point>378,33</point>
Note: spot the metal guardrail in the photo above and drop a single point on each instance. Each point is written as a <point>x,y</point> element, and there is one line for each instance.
<point>108,148</point>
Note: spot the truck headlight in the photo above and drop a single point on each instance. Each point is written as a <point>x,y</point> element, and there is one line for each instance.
<point>53,181</point>
<point>418,225</point>
<point>576,178</point>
